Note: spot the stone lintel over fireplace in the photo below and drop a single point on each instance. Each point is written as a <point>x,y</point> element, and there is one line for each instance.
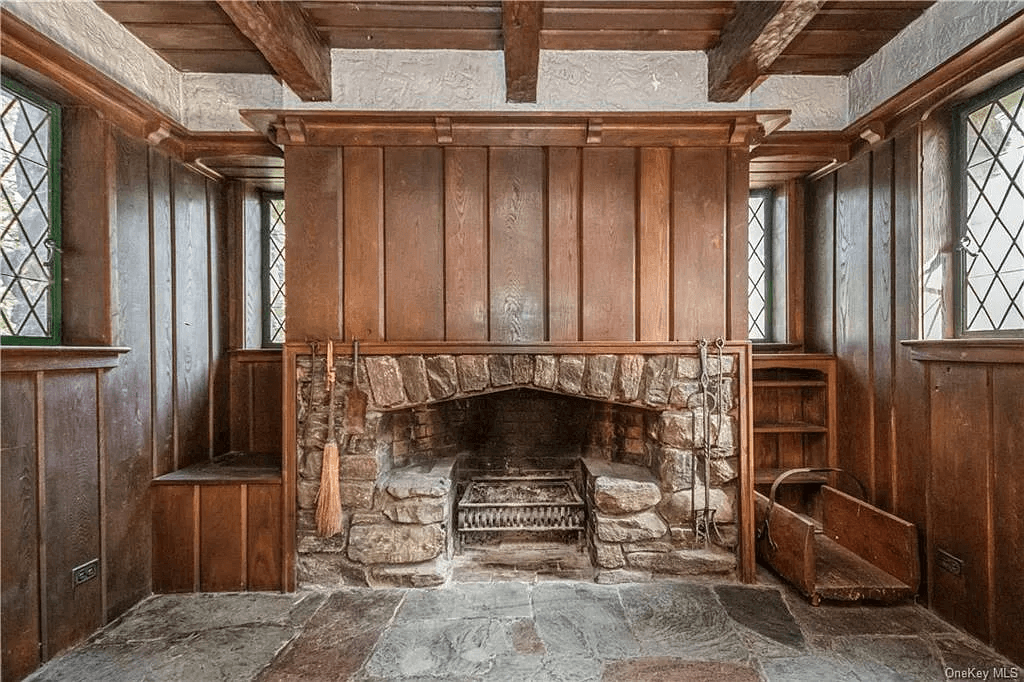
<point>624,423</point>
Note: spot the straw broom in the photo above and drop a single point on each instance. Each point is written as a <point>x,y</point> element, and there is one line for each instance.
<point>328,502</point>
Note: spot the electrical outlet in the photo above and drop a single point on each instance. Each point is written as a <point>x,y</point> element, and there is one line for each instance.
<point>85,572</point>
<point>949,563</point>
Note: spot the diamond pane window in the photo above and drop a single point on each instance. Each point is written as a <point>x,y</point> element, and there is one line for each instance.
<point>29,217</point>
<point>273,269</point>
<point>759,264</point>
<point>992,212</point>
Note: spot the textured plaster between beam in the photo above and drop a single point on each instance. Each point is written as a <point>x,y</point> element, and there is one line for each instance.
<point>943,30</point>
<point>95,37</point>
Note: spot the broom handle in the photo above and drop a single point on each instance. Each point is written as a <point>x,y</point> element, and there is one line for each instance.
<point>330,390</point>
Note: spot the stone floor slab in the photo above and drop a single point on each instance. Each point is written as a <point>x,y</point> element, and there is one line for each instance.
<point>682,620</point>
<point>763,611</point>
<point>440,648</point>
<point>665,669</point>
<point>582,619</point>
<point>509,600</point>
<point>909,657</point>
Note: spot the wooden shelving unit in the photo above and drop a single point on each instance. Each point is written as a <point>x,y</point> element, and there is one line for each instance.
<point>794,415</point>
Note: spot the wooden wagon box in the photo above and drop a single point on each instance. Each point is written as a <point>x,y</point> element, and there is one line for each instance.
<point>856,551</point>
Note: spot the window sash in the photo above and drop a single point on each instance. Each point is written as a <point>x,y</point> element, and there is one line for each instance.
<point>46,250</point>
<point>272,272</point>
<point>980,259</point>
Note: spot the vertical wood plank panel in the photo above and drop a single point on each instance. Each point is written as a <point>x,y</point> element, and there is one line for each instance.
<point>564,244</point>
<point>853,319</point>
<point>241,398</point>
<point>266,417</point>
<point>698,243</point>
<point>162,313</point>
<point>737,193</point>
<point>263,555</point>
<point>1008,509</point>
<point>961,440</point>
<point>910,399</point>
<point>364,243</point>
<point>465,251</point>
<point>87,203</point>
<point>174,543</point>
<point>882,322</point>
<point>795,229</point>
<point>221,556</point>
<point>819,279</point>
<point>191,292</point>
<point>314,243</point>
<point>517,244</point>
<point>220,319</point>
<point>414,243</point>
<point>653,251</point>
<point>126,391</point>
<point>608,253</point>
<point>937,227</point>
<point>72,507</point>
<point>19,573</point>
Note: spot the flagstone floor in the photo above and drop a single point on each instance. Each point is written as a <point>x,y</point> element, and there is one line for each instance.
<point>525,631</point>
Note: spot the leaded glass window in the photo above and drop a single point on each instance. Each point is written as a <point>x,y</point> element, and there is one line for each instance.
<point>992,212</point>
<point>273,269</point>
<point>29,217</point>
<point>759,264</point>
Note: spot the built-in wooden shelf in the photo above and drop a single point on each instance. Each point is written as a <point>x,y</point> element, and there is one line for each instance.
<point>768,476</point>
<point>790,427</point>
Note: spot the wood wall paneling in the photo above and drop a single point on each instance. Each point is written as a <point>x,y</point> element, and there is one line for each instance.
<point>853,320</point>
<point>126,391</point>
<point>219,267</point>
<point>653,230</point>
<point>191,315</point>
<point>222,530</point>
<point>1008,509</point>
<point>465,244</point>
<point>162,315</point>
<point>86,201</point>
<point>263,540</point>
<point>819,275</point>
<point>19,551</point>
<point>737,194</point>
<point>314,242</point>
<point>414,243</point>
<point>699,183</point>
<point>265,433</point>
<point>608,254</point>
<point>72,510</point>
<point>174,533</point>
<point>910,398</point>
<point>936,227</point>
<point>517,244</point>
<point>882,340</point>
<point>564,175</point>
<point>364,243</point>
<point>958,510</point>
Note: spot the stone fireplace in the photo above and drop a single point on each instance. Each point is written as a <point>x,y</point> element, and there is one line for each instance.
<point>630,458</point>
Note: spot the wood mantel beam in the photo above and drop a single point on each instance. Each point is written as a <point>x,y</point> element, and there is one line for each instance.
<point>751,42</point>
<point>520,30</point>
<point>289,42</point>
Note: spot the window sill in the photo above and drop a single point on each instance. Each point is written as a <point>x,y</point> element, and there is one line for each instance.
<point>992,351</point>
<point>243,355</point>
<point>59,358</point>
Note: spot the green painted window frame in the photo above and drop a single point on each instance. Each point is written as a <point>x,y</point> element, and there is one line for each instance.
<point>967,250</point>
<point>273,334</point>
<point>54,182</point>
<point>767,196</point>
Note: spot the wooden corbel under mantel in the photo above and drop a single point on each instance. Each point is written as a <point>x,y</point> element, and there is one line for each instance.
<point>655,129</point>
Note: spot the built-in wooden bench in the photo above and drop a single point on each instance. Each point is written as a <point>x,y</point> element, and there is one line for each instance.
<point>217,526</point>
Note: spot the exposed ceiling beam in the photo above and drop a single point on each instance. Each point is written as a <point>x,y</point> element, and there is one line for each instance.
<point>752,40</point>
<point>520,30</point>
<point>289,42</point>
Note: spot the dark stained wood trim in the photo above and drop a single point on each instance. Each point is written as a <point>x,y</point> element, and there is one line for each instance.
<point>41,581</point>
<point>746,552</point>
<point>283,33</point>
<point>288,464</point>
<point>464,347</point>
<point>751,42</point>
<point>59,358</point>
<point>103,467</point>
<point>520,31</point>
<point>323,128</point>
<point>992,351</point>
<point>256,355</point>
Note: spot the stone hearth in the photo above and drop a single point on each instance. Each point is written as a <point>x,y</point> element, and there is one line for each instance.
<point>629,428</point>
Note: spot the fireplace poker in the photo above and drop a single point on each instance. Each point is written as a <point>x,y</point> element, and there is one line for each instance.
<point>328,503</point>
